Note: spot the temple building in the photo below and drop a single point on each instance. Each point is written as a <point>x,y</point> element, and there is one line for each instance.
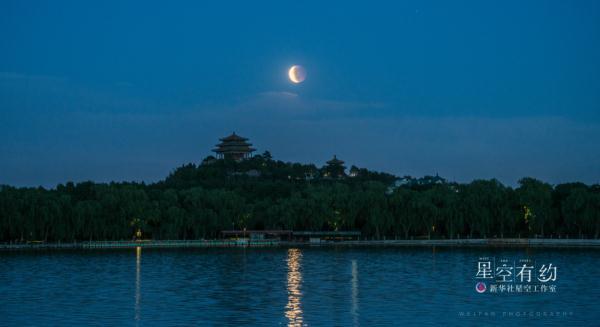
<point>234,147</point>
<point>335,168</point>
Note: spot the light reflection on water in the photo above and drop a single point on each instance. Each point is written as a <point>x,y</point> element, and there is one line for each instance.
<point>354,309</point>
<point>138,263</point>
<point>279,286</point>
<point>293,309</point>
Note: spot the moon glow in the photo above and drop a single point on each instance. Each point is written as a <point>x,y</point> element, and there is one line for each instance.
<point>297,74</point>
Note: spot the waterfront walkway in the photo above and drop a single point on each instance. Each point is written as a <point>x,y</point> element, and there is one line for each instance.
<point>507,242</point>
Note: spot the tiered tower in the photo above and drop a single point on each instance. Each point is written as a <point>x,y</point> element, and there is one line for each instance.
<point>234,147</point>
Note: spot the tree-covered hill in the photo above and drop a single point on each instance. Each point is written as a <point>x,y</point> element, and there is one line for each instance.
<point>198,201</point>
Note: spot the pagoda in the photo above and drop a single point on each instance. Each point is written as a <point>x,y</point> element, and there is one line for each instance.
<point>234,147</point>
<point>335,168</point>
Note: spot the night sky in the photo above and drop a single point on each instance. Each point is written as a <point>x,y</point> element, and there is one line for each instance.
<point>120,90</point>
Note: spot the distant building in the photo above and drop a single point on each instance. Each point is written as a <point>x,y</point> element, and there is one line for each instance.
<point>399,182</point>
<point>290,235</point>
<point>209,160</point>
<point>309,176</point>
<point>335,168</point>
<point>249,173</point>
<point>408,181</point>
<point>234,147</point>
<point>284,235</point>
<point>430,180</point>
<point>325,236</point>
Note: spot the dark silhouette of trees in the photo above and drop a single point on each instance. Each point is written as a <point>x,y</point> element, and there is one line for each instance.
<point>199,201</point>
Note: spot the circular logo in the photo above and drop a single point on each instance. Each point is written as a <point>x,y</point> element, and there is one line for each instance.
<point>480,287</point>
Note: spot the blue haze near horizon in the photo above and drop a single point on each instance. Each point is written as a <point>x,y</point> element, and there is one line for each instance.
<point>110,90</point>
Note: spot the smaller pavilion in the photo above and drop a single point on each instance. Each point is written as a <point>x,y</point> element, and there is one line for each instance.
<point>335,168</point>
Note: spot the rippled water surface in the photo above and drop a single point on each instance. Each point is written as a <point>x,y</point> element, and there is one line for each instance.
<point>287,286</point>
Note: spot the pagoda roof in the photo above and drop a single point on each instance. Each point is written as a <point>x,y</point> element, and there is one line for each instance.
<point>335,161</point>
<point>233,137</point>
<point>234,149</point>
<point>233,144</point>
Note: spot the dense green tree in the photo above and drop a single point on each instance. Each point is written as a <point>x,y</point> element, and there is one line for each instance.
<point>404,212</point>
<point>199,201</point>
<point>536,197</point>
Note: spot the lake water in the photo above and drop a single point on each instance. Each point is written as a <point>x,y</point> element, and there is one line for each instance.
<point>332,286</point>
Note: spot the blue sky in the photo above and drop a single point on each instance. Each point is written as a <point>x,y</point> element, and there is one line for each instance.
<point>114,90</point>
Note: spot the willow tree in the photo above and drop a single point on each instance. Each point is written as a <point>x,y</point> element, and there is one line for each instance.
<point>536,196</point>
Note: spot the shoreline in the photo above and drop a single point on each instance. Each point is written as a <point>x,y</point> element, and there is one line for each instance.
<point>180,244</point>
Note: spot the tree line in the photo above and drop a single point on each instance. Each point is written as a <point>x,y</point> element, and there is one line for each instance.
<point>199,201</point>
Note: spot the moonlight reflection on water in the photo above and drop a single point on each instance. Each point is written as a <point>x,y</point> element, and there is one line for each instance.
<point>294,282</point>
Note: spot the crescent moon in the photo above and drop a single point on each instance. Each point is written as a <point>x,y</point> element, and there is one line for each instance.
<point>292,75</point>
<point>297,74</point>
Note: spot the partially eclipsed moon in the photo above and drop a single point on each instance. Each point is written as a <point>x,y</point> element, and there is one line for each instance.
<point>297,74</point>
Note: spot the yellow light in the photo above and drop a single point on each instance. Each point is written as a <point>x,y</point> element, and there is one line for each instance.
<point>294,281</point>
